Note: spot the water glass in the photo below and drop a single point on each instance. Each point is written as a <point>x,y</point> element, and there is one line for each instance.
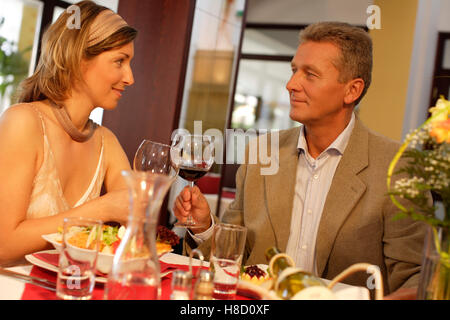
<point>227,249</point>
<point>181,285</point>
<point>78,258</point>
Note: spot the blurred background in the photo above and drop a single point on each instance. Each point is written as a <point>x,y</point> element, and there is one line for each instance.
<point>226,63</point>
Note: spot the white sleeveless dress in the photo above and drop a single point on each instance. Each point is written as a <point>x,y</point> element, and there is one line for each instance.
<point>47,197</point>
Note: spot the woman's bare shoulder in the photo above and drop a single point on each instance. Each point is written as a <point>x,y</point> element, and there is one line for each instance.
<point>109,136</point>
<point>107,133</point>
<point>20,120</point>
<point>114,150</point>
<point>21,111</point>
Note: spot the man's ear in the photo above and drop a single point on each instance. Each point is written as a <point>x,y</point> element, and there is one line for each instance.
<point>353,90</point>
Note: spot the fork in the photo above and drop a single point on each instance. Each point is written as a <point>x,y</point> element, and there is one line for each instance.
<point>29,279</point>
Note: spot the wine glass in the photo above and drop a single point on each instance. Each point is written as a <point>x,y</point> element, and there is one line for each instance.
<point>154,157</point>
<point>193,156</point>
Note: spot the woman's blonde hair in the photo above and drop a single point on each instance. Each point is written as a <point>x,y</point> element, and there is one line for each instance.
<point>63,49</point>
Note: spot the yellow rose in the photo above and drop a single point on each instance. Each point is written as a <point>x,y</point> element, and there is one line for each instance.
<point>440,111</point>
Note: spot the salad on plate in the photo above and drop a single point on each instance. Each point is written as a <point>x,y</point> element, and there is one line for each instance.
<point>111,237</point>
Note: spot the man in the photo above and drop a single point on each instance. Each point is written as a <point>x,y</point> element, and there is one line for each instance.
<point>327,206</point>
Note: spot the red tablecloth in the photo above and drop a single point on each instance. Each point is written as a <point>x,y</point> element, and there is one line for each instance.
<point>33,292</point>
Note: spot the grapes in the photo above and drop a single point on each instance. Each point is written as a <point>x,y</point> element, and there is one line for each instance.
<point>255,271</point>
<point>165,235</point>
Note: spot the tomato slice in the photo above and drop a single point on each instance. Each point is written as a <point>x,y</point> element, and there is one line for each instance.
<point>114,245</point>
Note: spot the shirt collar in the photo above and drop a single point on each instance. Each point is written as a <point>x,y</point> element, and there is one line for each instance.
<point>339,144</point>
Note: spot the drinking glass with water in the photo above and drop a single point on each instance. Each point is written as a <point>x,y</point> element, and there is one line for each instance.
<point>78,258</point>
<point>228,243</point>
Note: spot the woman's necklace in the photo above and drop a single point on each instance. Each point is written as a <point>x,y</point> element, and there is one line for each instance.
<point>68,126</point>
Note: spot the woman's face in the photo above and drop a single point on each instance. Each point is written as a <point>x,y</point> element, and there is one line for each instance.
<point>107,75</point>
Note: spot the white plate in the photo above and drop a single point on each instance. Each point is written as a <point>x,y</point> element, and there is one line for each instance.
<point>104,261</point>
<point>40,263</point>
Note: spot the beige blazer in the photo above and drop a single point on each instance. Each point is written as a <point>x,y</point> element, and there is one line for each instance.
<point>357,220</point>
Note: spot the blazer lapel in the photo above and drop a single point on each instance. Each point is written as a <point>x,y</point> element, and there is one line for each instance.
<point>345,191</point>
<point>280,188</point>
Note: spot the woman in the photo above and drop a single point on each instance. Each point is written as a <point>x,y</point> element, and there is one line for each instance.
<point>53,159</point>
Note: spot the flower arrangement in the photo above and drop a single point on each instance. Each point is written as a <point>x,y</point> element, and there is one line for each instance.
<point>427,170</point>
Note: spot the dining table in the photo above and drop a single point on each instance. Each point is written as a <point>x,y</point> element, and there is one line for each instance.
<point>43,265</point>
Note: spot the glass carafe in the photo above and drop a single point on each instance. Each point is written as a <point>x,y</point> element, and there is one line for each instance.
<point>135,274</point>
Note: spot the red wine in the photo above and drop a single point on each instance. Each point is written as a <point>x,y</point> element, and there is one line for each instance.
<point>192,173</point>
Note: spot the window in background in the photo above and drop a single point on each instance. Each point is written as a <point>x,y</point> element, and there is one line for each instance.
<point>20,22</point>
<point>57,12</point>
<point>446,58</point>
<point>211,70</point>
<point>441,76</point>
<point>261,100</point>
<point>267,40</point>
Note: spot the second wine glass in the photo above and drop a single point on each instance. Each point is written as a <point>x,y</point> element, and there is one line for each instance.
<point>153,156</point>
<point>193,156</point>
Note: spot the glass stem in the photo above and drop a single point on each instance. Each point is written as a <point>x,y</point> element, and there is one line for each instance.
<point>189,219</point>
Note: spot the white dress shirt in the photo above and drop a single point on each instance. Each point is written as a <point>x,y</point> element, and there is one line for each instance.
<point>314,177</point>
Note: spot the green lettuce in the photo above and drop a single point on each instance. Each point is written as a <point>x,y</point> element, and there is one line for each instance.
<point>110,235</point>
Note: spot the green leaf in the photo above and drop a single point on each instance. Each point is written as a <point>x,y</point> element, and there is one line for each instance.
<point>12,63</point>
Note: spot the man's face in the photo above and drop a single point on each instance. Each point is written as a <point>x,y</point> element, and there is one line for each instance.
<point>316,95</point>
